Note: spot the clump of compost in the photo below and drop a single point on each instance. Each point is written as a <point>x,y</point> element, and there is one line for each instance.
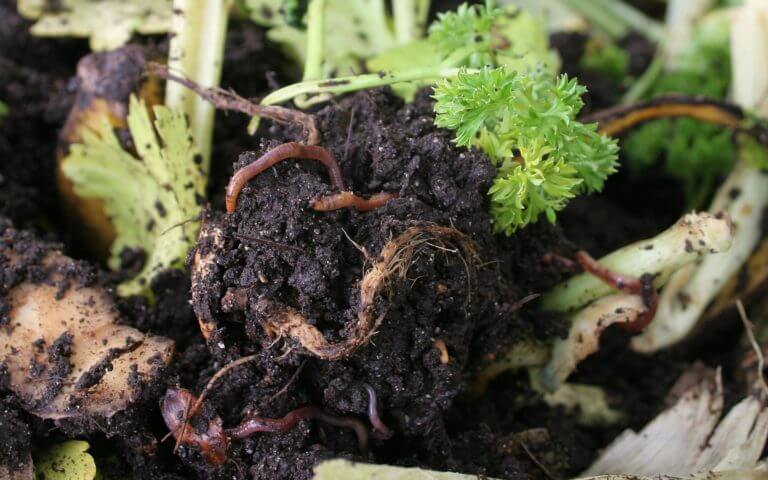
<point>402,298</point>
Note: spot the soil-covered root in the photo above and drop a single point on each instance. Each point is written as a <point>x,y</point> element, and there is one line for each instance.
<point>204,269</point>
<point>65,356</point>
<point>404,298</point>
<point>395,259</point>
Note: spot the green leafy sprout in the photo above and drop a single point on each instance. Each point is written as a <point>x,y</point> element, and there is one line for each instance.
<point>153,200</point>
<point>492,37</point>
<point>526,123</point>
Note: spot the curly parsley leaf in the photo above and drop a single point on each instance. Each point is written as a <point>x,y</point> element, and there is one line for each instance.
<point>153,199</point>
<point>526,123</point>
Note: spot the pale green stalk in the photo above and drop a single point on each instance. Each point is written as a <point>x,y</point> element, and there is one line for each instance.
<point>410,18</point>
<point>313,65</point>
<point>691,290</point>
<point>616,18</point>
<point>335,86</point>
<point>682,243</point>
<point>197,45</point>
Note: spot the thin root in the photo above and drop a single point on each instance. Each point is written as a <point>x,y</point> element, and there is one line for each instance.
<point>395,259</point>
<point>642,285</point>
<point>755,346</point>
<point>225,100</point>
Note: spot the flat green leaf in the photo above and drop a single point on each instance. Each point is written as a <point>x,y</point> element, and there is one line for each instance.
<point>66,461</point>
<point>354,30</point>
<point>108,23</point>
<point>154,200</point>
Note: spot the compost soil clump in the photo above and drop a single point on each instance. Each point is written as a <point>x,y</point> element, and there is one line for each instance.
<point>277,251</point>
<point>440,320</point>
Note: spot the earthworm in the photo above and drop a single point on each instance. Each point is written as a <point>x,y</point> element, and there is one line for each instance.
<point>642,285</point>
<point>276,155</point>
<point>379,428</point>
<point>212,442</point>
<point>347,199</point>
<point>254,424</point>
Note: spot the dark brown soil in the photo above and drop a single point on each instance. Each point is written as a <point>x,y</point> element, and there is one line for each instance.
<point>381,144</point>
<point>34,84</point>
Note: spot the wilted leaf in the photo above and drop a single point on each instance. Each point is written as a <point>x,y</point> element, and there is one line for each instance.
<point>346,470</point>
<point>354,30</point>
<point>108,23</point>
<point>690,437</point>
<point>154,200</point>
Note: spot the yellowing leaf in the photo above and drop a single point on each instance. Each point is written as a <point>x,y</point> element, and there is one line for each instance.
<point>66,461</point>
<point>108,23</point>
<point>154,200</point>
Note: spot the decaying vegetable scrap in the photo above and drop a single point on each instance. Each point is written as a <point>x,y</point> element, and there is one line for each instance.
<point>65,355</point>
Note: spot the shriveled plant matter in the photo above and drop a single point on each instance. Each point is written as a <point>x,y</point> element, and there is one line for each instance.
<point>63,350</point>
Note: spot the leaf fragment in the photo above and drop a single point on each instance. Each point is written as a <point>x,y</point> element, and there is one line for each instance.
<point>108,24</point>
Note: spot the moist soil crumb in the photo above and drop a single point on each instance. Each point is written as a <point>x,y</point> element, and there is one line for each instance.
<point>34,84</point>
<point>276,249</point>
<point>15,442</point>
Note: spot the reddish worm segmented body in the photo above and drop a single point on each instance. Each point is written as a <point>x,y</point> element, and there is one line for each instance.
<point>255,424</point>
<point>642,285</point>
<point>178,404</point>
<point>275,156</point>
<point>343,199</point>
<point>348,199</point>
<point>380,430</point>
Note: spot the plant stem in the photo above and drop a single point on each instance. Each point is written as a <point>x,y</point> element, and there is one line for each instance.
<point>644,83</point>
<point>616,18</point>
<point>197,45</point>
<point>680,244</point>
<point>313,64</point>
<point>690,291</point>
<point>410,18</point>
<point>315,89</point>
